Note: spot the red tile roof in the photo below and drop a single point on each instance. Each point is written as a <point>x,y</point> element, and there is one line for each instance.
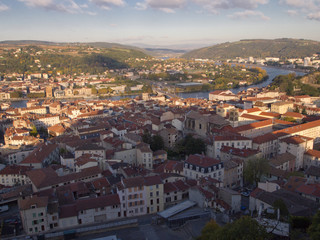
<point>202,161</point>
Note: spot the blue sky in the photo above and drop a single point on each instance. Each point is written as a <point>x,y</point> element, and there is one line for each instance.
<point>158,22</point>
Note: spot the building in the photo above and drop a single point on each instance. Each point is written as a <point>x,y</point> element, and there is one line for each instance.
<point>33,211</point>
<point>198,166</point>
<point>282,107</point>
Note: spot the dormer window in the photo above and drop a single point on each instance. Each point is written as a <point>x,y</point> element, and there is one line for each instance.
<point>202,170</point>
<point>33,206</point>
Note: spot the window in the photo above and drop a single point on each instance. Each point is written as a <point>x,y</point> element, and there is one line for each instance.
<point>157,193</point>
<point>157,186</point>
<point>151,194</point>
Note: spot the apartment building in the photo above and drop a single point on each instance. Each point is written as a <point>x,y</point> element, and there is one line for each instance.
<point>198,166</point>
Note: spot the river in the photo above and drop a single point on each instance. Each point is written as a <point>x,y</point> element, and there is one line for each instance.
<point>272,72</point>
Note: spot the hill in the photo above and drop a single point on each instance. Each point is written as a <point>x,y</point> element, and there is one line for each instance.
<point>258,48</point>
<point>66,58</point>
<point>293,85</point>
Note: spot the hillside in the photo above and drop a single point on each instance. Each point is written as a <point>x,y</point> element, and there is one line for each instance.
<point>259,48</point>
<point>20,57</point>
<point>293,85</point>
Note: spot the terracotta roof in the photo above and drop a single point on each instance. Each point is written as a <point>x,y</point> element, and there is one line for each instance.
<point>202,161</point>
<point>264,138</point>
<point>46,177</point>
<point>27,202</point>
<point>15,170</point>
<point>40,153</point>
<point>299,128</point>
<point>314,153</point>
<point>254,125</point>
<point>295,139</point>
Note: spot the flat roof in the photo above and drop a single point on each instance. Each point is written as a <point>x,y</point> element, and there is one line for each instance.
<point>176,209</point>
<point>189,84</point>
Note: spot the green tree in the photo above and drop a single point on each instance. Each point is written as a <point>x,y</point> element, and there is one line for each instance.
<point>314,229</point>
<point>209,231</point>
<point>16,94</point>
<point>189,145</point>
<point>297,109</point>
<point>279,204</point>
<point>254,169</point>
<point>34,131</point>
<point>244,228</point>
<point>304,111</point>
<point>157,143</point>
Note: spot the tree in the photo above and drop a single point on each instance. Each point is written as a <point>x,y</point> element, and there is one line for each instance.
<point>34,131</point>
<point>157,143</point>
<point>314,229</point>
<point>297,109</point>
<point>304,111</point>
<point>244,228</point>
<point>209,231</point>
<point>16,94</point>
<point>189,145</point>
<point>254,169</point>
<point>279,204</point>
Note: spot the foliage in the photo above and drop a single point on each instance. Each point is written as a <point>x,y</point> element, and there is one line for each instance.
<point>288,83</point>
<point>304,111</point>
<point>254,169</point>
<point>36,95</point>
<point>259,48</point>
<point>189,145</point>
<point>209,231</point>
<point>156,142</point>
<point>16,94</point>
<point>314,229</point>
<point>279,204</point>
<point>289,119</point>
<point>244,228</point>
<point>301,223</point>
<point>34,131</point>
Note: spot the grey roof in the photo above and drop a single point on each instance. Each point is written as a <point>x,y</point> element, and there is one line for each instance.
<point>313,171</point>
<point>170,212</point>
<point>296,204</point>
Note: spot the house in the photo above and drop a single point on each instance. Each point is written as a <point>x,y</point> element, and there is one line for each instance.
<point>42,156</point>
<point>235,141</point>
<point>13,175</point>
<point>296,145</point>
<point>132,196</point>
<point>285,161</point>
<point>311,158</point>
<point>220,95</point>
<point>281,107</point>
<point>90,149</point>
<point>267,144</point>
<point>33,212</point>
<point>296,204</point>
<point>313,174</point>
<point>197,166</point>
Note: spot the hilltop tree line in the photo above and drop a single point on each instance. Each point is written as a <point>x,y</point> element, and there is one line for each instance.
<point>292,85</point>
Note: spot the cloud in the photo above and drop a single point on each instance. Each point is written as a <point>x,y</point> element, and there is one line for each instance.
<point>67,6</point>
<point>168,6</point>
<point>291,12</point>
<point>108,4</point>
<point>215,5</point>
<point>3,7</point>
<point>314,16</point>
<point>248,14</point>
<point>311,8</point>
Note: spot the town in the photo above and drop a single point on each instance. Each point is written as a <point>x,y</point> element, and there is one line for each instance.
<point>90,149</point>
<point>69,164</point>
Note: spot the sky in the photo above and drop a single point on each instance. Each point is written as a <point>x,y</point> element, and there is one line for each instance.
<point>158,22</point>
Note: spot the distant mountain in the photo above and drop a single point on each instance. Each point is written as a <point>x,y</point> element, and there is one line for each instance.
<point>258,48</point>
<point>91,44</point>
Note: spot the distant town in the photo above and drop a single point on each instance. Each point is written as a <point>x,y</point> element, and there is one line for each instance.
<point>76,162</point>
